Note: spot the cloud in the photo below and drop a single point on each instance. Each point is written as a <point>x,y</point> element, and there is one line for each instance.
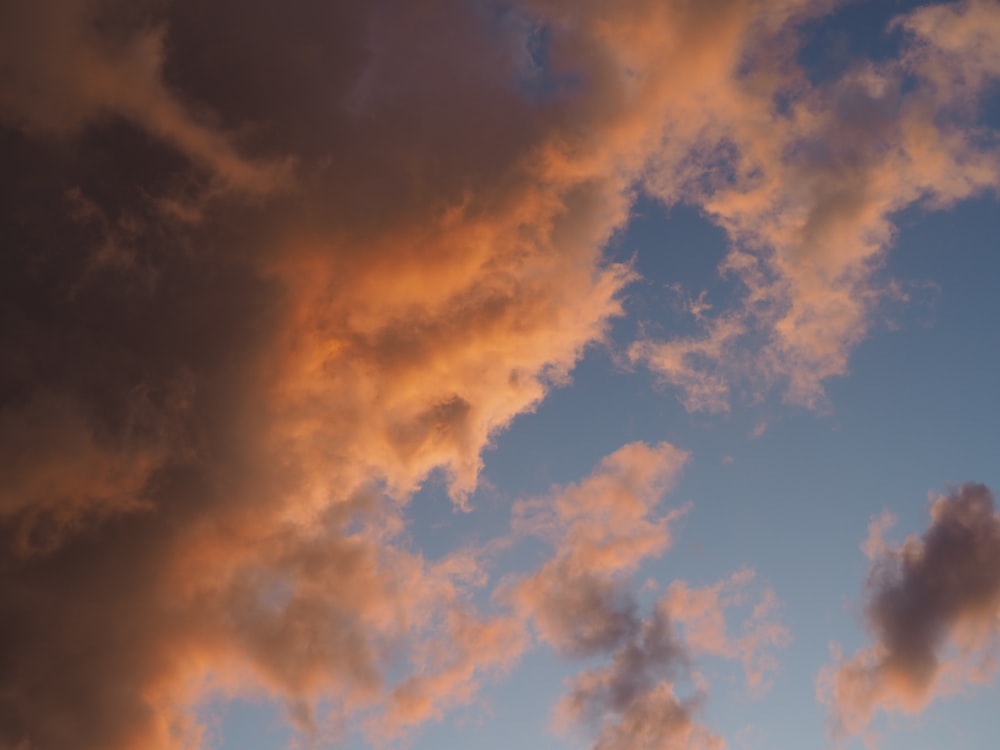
<point>216,439</point>
<point>633,701</point>
<point>583,604</point>
<point>603,528</point>
<point>630,701</point>
<point>807,190</point>
<point>450,670</point>
<point>693,364</point>
<point>70,64</point>
<point>702,612</point>
<point>932,609</point>
<point>582,601</point>
<point>266,268</point>
<point>953,48</point>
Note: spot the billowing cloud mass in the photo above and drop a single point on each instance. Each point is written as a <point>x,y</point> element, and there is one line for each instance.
<point>933,610</point>
<point>268,266</point>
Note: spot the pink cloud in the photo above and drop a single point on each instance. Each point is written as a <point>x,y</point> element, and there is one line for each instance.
<point>702,612</point>
<point>932,610</point>
<point>807,195</point>
<point>604,527</point>
<point>583,603</point>
<point>217,410</point>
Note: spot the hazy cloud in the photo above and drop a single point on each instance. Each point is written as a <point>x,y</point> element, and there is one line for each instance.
<point>70,64</point>
<point>632,702</point>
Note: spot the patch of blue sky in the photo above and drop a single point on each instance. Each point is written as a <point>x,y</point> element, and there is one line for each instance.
<point>856,30</point>
<point>247,724</point>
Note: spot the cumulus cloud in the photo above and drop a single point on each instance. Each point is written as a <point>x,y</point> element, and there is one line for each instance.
<point>807,192</point>
<point>211,444</point>
<point>267,267</point>
<point>603,528</point>
<point>933,610</point>
<point>583,603</point>
<point>638,699</point>
<point>632,702</point>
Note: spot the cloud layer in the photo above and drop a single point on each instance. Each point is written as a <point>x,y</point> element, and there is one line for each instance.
<point>267,268</point>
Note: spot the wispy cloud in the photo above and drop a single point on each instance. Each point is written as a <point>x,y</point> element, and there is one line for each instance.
<point>702,612</point>
<point>806,180</point>
<point>266,268</point>
<point>603,528</point>
<point>583,602</point>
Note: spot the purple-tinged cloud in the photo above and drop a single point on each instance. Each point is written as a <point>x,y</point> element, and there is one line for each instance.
<point>933,610</point>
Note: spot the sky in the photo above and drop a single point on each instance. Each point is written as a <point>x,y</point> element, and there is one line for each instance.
<point>614,375</point>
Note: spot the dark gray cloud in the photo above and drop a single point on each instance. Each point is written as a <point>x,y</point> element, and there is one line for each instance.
<point>933,610</point>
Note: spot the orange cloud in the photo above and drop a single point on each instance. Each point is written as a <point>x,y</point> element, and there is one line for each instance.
<point>583,603</point>
<point>807,193</point>
<point>338,342</point>
<point>933,607</point>
<point>702,612</point>
<point>603,528</point>
<point>218,409</point>
<point>336,345</point>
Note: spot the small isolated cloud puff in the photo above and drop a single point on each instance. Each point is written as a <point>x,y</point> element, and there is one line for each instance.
<point>933,610</point>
